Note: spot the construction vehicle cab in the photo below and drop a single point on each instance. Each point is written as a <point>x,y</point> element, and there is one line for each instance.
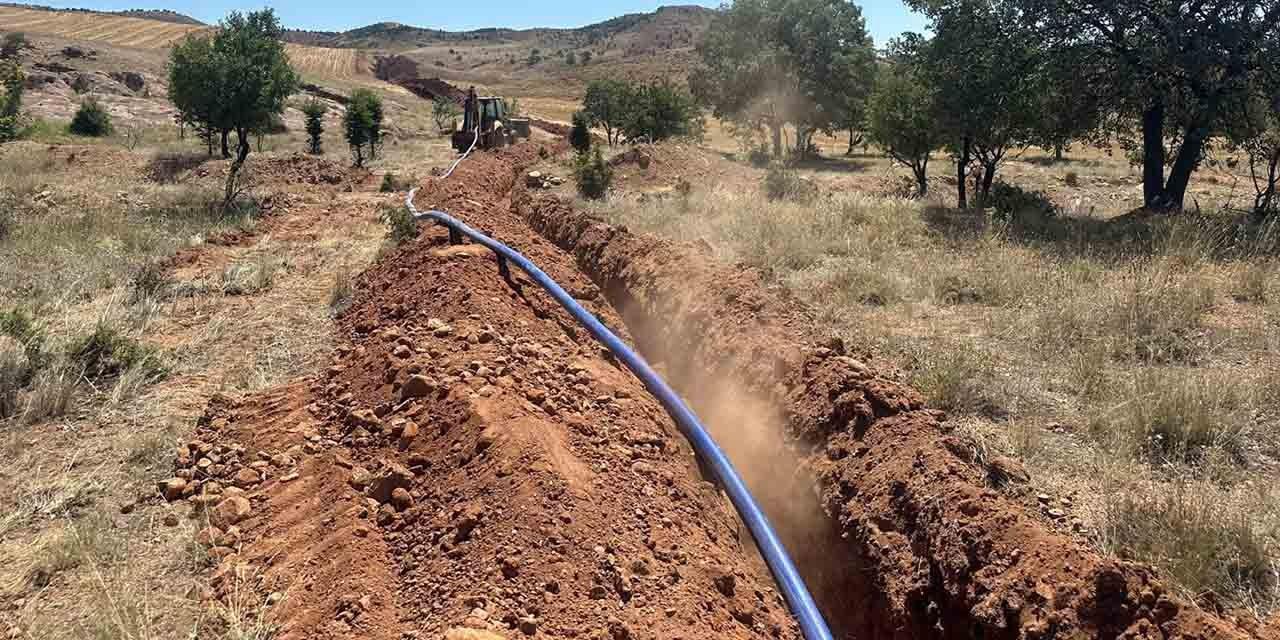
<point>486,116</point>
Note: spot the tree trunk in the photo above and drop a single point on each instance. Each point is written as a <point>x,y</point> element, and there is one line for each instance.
<point>1153,194</point>
<point>226,150</point>
<point>922,179</point>
<point>1175,190</point>
<point>988,176</point>
<point>1262,204</point>
<point>849,152</point>
<point>1057,152</point>
<point>962,163</point>
<point>242,154</point>
<point>776,128</point>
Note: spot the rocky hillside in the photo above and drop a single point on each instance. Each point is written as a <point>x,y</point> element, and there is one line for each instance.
<point>163,15</point>
<point>667,28</point>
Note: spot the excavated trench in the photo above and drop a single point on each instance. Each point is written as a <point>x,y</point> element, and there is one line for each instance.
<point>898,530</point>
<point>471,460</point>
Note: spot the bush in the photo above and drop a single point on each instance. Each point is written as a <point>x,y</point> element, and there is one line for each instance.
<point>782,183</point>
<point>593,174</point>
<point>91,120</point>
<point>401,225</point>
<point>392,183</point>
<point>1010,201</point>
<point>1072,179</point>
<point>107,353</point>
<point>149,280</point>
<point>580,134</point>
<point>13,44</point>
<point>12,83</point>
<point>759,156</point>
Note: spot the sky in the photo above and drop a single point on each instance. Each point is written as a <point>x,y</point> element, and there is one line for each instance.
<point>885,18</point>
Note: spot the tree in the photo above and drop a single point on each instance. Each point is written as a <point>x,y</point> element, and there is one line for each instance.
<point>767,63</point>
<point>985,69</point>
<point>607,104</point>
<point>1070,107</point>
<point>249,79</point>
<point>659,111</point>
<point>446,113</point>
<point>1254,130</point>
<point>900,118</point>
<point>1173,68</point>
<point>13,44</point>
<point>314,111</point>
<point>11,86</point>
<point>570,59</point>
<point>363,125</point>
<point>580,134</point>
<point>91,120</point>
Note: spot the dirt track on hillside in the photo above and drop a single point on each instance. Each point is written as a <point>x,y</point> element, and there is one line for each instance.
<point>472,460</point>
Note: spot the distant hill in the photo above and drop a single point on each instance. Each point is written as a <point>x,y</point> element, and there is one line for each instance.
<point>667,28</point>
<point>162,15</point>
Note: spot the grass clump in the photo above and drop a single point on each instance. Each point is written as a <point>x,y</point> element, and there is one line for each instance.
<point>1209,547</point>
<point>401,225</point>
<point>107,352</point>
<point>249,278</point>
<point>783,183</point>
<point>1167,415</point>
<point>958,378</point>
<point>392,183</point>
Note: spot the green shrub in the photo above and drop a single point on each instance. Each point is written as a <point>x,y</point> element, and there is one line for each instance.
<point>782,183</point>
<point>401,225</point>
<point>593,175</point>
<point>580,134</point>
<point>91,120</point>
<point>659,111</point>
<point>314,111</point>
<point>1011,201</point>
<point>392,183</point>
<point>107,353</point>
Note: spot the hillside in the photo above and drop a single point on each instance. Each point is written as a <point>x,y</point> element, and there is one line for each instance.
<point>161,15</point>
<point>667,27</point>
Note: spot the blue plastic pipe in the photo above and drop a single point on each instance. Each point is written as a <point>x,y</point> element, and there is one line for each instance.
<point>812,624</point>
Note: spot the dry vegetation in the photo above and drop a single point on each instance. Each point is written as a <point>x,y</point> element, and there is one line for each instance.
<point>1133,368</point>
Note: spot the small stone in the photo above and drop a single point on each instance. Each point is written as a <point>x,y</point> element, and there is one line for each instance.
<point>401,499</point>
<point>402,352</point>
<point>170,520</point>
<point>246,478</point>
<point>172,488</point>
<point>409,433</point>
<point>725,583</point>
<point>231,511</point>
<point>417,386</point>
<point>529,625</point>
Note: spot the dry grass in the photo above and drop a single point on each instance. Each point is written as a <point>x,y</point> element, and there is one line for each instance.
<point>1106,356</point>
<point>116,30</point>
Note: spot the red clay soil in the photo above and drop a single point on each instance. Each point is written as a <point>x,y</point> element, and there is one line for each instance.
<point>472,463</point>
<point>941,553</point>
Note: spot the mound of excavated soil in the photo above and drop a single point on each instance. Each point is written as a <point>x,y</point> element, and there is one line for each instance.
<point>471,459</point>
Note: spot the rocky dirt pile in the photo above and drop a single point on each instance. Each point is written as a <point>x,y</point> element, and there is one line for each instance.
<point>471,462</point>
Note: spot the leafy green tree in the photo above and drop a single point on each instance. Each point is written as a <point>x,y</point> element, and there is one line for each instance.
<point>249,80</point>
<point>986,72</point>
<point>1070,108</point>
<point>11,86</point>
<point>445,112</point>
<point>767,63</point>
<point>900,119</point>
<point>659,111</point>
<point>1173,68</point>
<point>314,111</point>
<point>363,125</point>
<point>607,105</point>
<point>91,120</point>
<point>580,134</point>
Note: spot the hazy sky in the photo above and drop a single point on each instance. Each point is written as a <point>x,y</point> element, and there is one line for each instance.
<point>885,18</point>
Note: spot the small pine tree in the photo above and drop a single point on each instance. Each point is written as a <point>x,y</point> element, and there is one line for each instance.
<point>593,174</point>
<point>314,110</point>
<point>363,125</point>
<point>91,120</point>
<point>580,134</point>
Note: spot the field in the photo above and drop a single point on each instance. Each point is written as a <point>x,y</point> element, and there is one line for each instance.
<point>301,414</point>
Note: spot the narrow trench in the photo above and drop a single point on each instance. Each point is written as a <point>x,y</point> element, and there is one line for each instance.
<point>752,433</point>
